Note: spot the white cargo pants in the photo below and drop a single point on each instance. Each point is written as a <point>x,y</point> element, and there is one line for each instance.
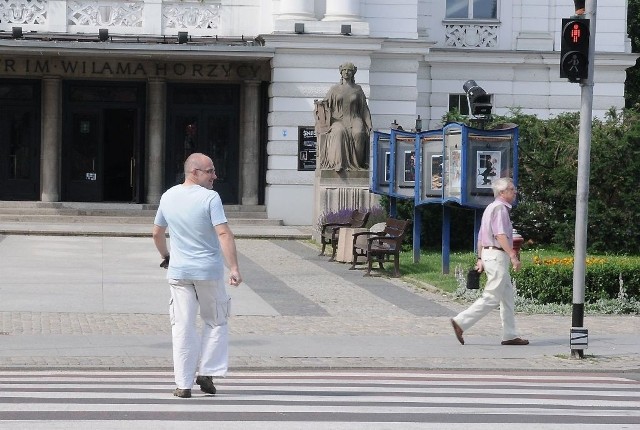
<point>208,351</point>
<point>498,291</point>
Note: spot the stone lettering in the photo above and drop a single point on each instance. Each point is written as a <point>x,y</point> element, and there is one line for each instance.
<point>246,71</point>
<point>161,69</point>
<point>123,70</point>
<point>140,68</point>
<point>179,69</point>
<point>106,69</point>
<point>75,67</point>
<point>42,67</point>
<point>9,66</point>
<point>68,66</point>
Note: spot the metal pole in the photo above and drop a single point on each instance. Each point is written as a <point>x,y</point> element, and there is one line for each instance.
<point>417,231</point>
<point>446,238</point>
<point>582,191</point>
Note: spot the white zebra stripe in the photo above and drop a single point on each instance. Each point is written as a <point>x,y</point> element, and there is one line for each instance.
<point>264,400</point>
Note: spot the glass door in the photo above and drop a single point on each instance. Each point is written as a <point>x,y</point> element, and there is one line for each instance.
<point>103,142</point>
<point>205,118</point>
<point>19,141</point>
<point>213,134</point>
<point>83,158</point>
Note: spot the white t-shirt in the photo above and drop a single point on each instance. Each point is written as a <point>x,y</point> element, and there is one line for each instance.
<point>190,213</point>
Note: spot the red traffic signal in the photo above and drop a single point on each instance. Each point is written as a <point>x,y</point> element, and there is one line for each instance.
<point>574,51</point>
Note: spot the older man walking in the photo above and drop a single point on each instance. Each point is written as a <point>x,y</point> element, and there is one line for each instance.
<point>495,254</point>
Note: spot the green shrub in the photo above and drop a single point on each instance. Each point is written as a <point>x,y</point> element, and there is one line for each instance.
<point>551,280</point>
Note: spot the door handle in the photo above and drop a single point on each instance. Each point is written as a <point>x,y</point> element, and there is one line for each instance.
<point>132,166</point>
<point>93,164</point>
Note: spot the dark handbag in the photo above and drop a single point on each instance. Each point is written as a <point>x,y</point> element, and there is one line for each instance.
<point>473,279</point>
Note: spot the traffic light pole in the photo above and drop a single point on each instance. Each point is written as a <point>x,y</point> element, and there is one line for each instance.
<point>582,191</point>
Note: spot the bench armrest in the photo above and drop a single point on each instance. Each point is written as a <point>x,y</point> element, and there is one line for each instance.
<point>384,238</point>
<point>334,225</point>
<point>365,233</point>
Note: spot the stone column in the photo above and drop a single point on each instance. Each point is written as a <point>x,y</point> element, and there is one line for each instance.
<point>156,105</point>
<point>50,155</point>
<point>342,10</point>
<point>249,142</point>
<point>297,9</point>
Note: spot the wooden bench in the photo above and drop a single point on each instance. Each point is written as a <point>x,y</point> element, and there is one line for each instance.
<point>329,233</point>
<point>381,244</point>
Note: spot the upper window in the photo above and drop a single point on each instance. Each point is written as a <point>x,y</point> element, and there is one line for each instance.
<point>458,102</point>
<point>472,9</point>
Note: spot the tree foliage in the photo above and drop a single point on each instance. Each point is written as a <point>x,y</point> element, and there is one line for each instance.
<point>548,166</point>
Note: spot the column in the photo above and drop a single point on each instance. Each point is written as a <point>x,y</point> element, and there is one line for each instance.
<point>297,9</point>
<point>51,140</point>
<point>156,105</point>
<point>342,10</point>
<point>249,142</point>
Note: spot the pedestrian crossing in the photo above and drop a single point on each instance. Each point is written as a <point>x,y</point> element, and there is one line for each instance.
<point>287,400</point>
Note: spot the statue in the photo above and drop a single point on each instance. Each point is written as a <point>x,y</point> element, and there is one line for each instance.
<point>343,125</point>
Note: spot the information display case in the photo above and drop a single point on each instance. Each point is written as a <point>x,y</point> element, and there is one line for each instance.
<point>455,164</point>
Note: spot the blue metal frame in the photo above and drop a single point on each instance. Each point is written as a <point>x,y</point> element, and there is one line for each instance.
<point>463,200</point>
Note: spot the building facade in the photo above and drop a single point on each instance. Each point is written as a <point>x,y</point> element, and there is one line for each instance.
<point>103,100</point>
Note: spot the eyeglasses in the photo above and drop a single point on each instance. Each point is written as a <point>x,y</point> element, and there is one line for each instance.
<point>207,171</point>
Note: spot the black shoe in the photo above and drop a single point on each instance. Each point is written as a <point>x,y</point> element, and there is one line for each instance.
<point>516,341</point>
<point>206,384</point>
<point>185,393</point>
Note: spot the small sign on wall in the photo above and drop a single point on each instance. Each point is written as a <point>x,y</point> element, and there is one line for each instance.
<point>307,148</point>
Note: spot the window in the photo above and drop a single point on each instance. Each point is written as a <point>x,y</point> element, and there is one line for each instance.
<point>458,102</point>
<point>472,9</point>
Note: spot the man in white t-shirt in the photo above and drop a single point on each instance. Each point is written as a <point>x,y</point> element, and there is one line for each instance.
<point>200,238</point>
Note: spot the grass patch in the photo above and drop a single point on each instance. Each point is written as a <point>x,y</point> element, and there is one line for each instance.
<point>429,269</point>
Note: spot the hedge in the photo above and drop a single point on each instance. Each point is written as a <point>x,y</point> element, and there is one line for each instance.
<point>551,280</point>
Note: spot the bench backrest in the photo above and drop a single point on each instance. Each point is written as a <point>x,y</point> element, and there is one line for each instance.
<point>359,219</point>
<point>396,227</point>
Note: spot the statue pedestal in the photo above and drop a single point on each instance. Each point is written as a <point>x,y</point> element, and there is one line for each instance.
<point>335,191</point>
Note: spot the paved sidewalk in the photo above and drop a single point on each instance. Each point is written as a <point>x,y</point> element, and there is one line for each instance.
<point>89,301</point>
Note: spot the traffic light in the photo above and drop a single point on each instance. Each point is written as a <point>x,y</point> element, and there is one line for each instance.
<point>574,49</point>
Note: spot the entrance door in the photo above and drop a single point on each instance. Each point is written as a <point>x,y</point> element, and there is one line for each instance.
<point>19,141</point>
<point>205,120</point>
<point>102,148</point>
<point>119,158</point>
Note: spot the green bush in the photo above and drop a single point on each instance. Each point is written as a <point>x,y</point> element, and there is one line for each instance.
<point>551,281</point>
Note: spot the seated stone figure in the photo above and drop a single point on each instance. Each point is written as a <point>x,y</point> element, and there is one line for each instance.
<point>343,125</point>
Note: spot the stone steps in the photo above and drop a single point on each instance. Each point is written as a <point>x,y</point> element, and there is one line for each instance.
<point>113,213</point>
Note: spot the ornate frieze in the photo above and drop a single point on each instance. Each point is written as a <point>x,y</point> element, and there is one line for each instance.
<point>187,15</point>
<point>105,14</point>
<point>471,35</point>
<point>23,11</point>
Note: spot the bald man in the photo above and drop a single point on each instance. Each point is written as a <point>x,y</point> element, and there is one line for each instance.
<point>200,239</point>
